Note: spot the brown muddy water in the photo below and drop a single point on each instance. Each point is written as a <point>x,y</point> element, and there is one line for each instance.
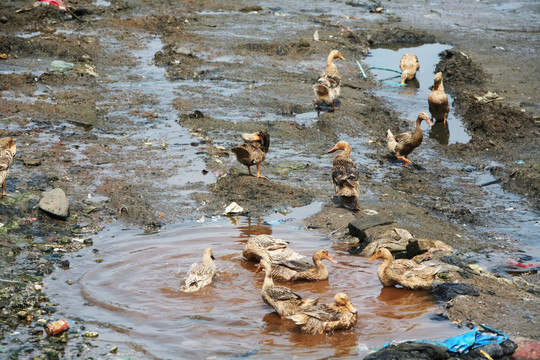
<point>135,293</point>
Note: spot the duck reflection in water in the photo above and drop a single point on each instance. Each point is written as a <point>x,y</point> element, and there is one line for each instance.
<point>403,303</point>
<point>253,226</point>
<point>440,132</point>
<point>411,87</point>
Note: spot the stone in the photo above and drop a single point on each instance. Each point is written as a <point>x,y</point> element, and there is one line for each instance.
<point>358,227</point>
<point>55,203</point>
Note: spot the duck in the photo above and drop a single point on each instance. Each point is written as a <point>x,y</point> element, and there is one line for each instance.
<point>8,149</point>
<point>438,100</point>
<point>298,271</point>
<point>404,272</point>
<point>253,151</point>
<point>324,318</point>
<point>409,65</point>
<point>403,144</point>
<point>282,299</point>
<point>202,274</point>
<point>344,175</point>
<point>328,86</point>
<point>270,248</point>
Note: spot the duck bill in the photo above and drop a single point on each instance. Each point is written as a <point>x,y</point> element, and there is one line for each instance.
<point>430,123</point>
<point>341,57</point>
<point>372,257</point>
<point>331,259</point>
<point>333,149</point>
<point>212,257</point>
<point>251,137</point>
<point>350,307</point>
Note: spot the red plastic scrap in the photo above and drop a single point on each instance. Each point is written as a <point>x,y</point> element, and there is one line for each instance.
<point>61,5</point>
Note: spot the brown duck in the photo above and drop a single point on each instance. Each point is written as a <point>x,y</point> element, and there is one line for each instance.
<point>303,271</point>
<point>8,149</point>
<point>404,272</point>
<point>269,247</point>
<point>328,86</point>
<point>253,151</point>
<point>201,274</point>
<point>438,100</point>
<point>403,144</point>
<point>344,175</point>
<point>409,65</point>
<point>323,318</point>
<point>282,299</point>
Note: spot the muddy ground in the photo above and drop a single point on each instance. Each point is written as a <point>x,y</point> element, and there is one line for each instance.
<point>77,131</point>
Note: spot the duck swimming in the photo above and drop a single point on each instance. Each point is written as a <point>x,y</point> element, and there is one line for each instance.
<point>303,271</point>
<point>8,149</point>
<point>200,275</point>
<point>409,65</point>
<point>269,247</point>
<point>282,299</point>
<point>323,318</point>
<point>404,272</point>
<point>344,175</point>
<point>438,100</point>
<point>253,151</point>
<point>328,86</point>
<point>403,144</point>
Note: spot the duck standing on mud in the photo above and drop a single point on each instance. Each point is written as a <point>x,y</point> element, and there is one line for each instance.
<point>328,85</point>
<point>253,151</point>
<point>8,149</point>
<point>202,274</point>
<point>438,100</point>
<point>344,175</point>
<point>403,144</point>
<point>409,65</point>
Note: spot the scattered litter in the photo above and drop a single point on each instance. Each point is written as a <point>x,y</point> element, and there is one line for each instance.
<point>369,212</point>
<point>233,208</point>
<point>379,9</point>
<point>488,97</point>
<point>316,35</point>
<point>56,327</point>
<point>3,56</point>
<point>60,65</point>
<point>91,334</point>
<point>520,162</point>
<point>383,81</point>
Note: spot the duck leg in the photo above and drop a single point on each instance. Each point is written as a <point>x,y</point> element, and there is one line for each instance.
<point>3,189</point>
<point>334,105</point>
<point>318,108</point>
<point>249,170</point>
<point>444,120</point>
<point>259,173</point>
<point>404,159</point>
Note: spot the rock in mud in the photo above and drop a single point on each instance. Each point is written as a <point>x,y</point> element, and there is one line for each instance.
<point>410,351</point>
<point>55,202</point>
<point>358,227</point>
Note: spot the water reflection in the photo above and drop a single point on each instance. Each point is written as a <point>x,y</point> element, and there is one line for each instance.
<point>440,132</point>
<point>403,303</point>
<point>411,87</point>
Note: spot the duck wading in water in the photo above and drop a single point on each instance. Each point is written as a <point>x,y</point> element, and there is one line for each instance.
<point>302,270</point>
<point>404,272</point>
<point>8,149</point>
<point>253,151</point>
<point>282,299</point>
<point>202,274</point>
<point>409,65</point>
<point>323,318</point>
<point>328,86</point>
<point>438,100</point>
<point>344,175</point>
<point>403,144</point>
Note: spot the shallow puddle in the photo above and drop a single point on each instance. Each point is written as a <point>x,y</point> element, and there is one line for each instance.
<point>410,100</point>
<point>135,291</point>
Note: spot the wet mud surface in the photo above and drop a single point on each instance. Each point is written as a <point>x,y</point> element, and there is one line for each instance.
<point>139,133</point>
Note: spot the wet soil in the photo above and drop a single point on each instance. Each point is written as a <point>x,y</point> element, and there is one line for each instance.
<point>101,133</point>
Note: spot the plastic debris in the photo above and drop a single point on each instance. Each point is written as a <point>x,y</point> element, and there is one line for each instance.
<point>60,65</point>
<point>520,162</point>
<point>61,5</point>
<point>233,208</point>
<point>488,97</point>
<point>369,212</point>
<point>316,35</point>
<point>277,222</point>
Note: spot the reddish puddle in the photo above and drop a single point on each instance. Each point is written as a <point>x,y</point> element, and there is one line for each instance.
<point>135,291</point>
